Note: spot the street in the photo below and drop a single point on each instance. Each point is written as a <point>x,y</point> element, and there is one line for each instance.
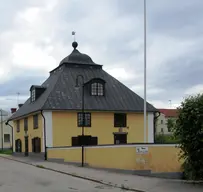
<point>19,177</point>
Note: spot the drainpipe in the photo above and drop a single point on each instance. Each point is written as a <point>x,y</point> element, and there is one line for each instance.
<point>7,123</point>
<point>45,146</point>
<point>155,118</point>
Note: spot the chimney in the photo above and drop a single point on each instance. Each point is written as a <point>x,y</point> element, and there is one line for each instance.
<point>20,105</point>
<point>13,110</point>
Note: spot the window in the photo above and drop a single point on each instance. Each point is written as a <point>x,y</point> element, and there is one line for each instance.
<point>162,130</point>
<point>35,121</point>
<point>120,139</point>
<point>26,124</point>
<point>97,89</point>
<point>87,120</point>
<point>88,140</point>
<point>162,121</point>
<point>18,126</point>
<point>33,94</point>
<point>7,138</point>
<point>120,120</point>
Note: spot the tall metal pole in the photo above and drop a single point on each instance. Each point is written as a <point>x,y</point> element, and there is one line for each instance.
<point>2,139</point>
<point>145,74</point>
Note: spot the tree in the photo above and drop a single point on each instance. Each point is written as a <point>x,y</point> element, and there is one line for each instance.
<point>170,124</point>
<point>189,130</point>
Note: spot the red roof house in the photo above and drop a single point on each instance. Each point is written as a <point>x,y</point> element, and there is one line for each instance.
<point>169,112</point>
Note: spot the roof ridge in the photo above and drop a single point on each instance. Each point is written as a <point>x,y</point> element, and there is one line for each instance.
<point>59,75</point>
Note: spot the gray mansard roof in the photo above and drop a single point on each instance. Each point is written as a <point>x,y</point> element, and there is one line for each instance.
<point>60,92</point>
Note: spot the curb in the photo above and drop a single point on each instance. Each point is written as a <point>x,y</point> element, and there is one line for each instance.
<point>77,176</point>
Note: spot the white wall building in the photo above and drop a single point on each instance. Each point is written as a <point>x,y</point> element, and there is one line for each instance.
<point>161,124</point>
<point>5,130</point>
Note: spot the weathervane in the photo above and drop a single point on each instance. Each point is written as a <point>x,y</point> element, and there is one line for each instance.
<point>73,33</point>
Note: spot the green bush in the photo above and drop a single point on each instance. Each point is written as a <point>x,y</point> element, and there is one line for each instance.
<point>189,130</point>
<point>6,152</point>
<point>166,139</point>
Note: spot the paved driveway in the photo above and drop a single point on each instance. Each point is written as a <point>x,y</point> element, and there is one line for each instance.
<point>18,177</point>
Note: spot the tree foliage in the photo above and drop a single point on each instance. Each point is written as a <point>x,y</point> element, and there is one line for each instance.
<point>170,124</point>
<point>189,130</point>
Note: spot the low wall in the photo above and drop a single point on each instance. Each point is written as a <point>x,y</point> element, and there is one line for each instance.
<point>139,159</point>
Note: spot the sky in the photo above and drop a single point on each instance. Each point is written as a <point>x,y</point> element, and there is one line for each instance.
<point>35,35</point>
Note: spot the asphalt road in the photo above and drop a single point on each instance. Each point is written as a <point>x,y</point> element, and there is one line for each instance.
<point>19,177</point>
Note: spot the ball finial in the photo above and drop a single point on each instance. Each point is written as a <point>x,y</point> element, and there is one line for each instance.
<point>74,44</point>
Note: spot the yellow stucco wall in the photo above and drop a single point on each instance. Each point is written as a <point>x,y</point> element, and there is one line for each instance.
<point>102,125</point>
<point>160,158</point>
<point>31,131</point>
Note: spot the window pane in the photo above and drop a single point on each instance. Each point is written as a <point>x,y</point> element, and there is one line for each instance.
<point>94,89</point>
<point>33,95</point>
<point>6,138</point>
<point>87,119</point>
<point>100,89</point>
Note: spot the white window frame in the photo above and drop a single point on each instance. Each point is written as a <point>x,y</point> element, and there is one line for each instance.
<point>33,95</point>
<point>97,89</point>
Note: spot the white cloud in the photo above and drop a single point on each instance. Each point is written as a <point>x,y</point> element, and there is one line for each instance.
<point>29,56</point>
<point>40,36</point>
<point>30,15</point>
<point>194,90</point>
<point>121,74</point>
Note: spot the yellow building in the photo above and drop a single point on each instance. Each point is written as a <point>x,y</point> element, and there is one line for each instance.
<point>52,115</point>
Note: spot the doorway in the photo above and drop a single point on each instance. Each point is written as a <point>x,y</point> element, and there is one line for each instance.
<point>18,146</point>
<point>36,145</point>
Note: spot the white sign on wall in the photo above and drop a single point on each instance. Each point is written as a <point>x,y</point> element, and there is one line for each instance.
<point>141,150</point>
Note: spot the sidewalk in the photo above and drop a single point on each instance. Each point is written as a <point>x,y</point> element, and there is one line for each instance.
<point>124,181</point>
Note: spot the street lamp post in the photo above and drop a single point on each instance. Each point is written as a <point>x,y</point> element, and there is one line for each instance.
<point>83,114</point>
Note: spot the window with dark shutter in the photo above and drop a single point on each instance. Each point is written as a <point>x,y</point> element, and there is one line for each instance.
<point>120,120</point>
<point>18,126</point>
<point>87,120</point>
<point>35,121</point>
<point>84,140</point>
<point>26,124</point>
<point>94,141</point>
<point>75,141</point>
<point>120,139</point>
